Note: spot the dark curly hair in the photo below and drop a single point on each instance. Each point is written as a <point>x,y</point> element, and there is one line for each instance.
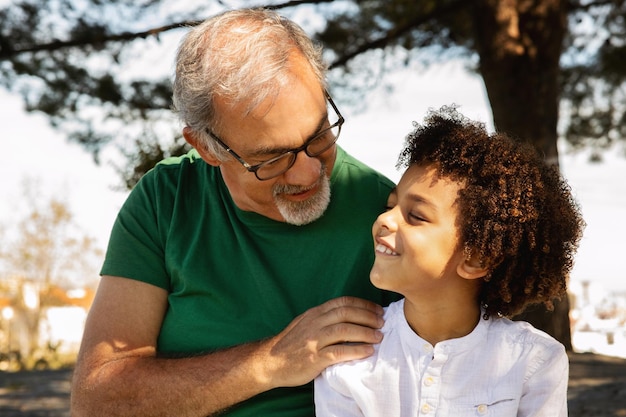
<point>516,213</point>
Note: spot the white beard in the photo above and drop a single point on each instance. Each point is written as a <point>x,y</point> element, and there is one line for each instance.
<point>303,212</point>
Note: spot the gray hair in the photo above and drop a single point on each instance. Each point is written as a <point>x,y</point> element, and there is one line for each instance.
<point>239,56</point>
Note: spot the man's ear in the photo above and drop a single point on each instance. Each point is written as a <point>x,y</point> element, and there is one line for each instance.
<point>471,267</point>
<point>197,143</point>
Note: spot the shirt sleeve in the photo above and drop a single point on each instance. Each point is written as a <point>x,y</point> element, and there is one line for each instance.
<point>136,244</point>
<point>545,389</point>
<point>332,397</point>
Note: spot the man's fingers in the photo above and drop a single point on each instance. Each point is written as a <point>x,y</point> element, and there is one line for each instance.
<point>346,352</point>
<point>346,319</point>
<point>348,310</point>
<point>354,302</point>
<point>353,315</point>
<point>348,332</point>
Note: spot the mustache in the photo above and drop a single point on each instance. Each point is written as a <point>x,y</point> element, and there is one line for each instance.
<point>278,189</point>
<point>292,189</point>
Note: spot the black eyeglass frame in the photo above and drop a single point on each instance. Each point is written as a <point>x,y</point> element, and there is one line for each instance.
<point>295,151</point>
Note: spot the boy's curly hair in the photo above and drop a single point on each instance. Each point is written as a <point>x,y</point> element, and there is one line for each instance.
<point>516,213</point>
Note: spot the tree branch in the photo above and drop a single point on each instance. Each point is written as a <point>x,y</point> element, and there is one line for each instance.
<point>398,31</point>
<point>7,52</point>
<point>294,3</point>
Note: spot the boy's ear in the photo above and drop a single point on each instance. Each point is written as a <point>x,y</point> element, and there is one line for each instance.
<point>471,267</point>
<point>191,139</point>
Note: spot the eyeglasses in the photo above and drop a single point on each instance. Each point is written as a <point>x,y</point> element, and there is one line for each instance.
<point>315,146</point>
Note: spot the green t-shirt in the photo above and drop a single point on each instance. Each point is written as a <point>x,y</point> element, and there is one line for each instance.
<point>235,276</point>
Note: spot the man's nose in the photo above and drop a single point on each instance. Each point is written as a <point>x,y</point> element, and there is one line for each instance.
<point>304,171</point>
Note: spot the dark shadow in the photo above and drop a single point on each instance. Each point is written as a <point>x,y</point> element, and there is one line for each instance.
<point>597,386</point>
<point>35,393</point>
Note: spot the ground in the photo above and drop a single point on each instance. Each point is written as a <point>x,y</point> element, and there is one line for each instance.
<point>597,388</point>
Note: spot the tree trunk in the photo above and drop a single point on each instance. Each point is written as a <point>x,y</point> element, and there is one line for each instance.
<point>556,323</point>
<point>519,43</point>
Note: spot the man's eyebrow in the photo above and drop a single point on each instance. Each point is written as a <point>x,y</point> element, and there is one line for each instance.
<point>282,149</point>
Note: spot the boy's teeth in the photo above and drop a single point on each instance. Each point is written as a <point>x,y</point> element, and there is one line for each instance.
<point>384,249</point>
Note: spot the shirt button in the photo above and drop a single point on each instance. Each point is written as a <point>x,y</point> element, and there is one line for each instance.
<point>428,347</point>
<point>426,409</point>
<point>482,409</point>
<point>428,381</point>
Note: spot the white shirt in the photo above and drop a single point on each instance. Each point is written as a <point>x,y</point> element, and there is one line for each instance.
<point>502,368</point>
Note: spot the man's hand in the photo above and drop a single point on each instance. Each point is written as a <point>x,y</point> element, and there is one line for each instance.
<point>339,330</point>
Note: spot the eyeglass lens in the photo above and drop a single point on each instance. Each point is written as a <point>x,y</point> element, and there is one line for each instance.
<point>316,146</point>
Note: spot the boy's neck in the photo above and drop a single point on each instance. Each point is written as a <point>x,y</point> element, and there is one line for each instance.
<point>436,322</point>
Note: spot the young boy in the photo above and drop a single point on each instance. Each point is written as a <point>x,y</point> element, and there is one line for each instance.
<point>477,229</point>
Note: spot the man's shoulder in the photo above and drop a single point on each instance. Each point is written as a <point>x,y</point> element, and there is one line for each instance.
<point>351,167</point>
<point>191,157</point>
<point>172,177</point>
<point>172,168</point>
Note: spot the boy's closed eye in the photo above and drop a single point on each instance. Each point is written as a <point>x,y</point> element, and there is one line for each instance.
<point>416,217</point>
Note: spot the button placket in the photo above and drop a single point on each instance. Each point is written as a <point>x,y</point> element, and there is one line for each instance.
<point>430,387</point>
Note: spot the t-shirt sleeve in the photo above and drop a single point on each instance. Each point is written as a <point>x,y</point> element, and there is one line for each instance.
<point>136,245</point>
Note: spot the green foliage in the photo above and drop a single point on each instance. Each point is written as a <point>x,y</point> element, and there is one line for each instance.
<point>404,23</point>
<point>594,76</point>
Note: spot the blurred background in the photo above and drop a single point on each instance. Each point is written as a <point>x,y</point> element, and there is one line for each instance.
<point>84,93</point>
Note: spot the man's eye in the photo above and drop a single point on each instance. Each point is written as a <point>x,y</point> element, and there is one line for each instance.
<point>272,162</point>
<point>277,160</point>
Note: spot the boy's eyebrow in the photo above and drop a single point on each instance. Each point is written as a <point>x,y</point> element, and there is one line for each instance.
<point>416,198</point>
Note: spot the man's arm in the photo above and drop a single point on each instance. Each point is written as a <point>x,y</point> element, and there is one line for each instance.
<point>119,374</point>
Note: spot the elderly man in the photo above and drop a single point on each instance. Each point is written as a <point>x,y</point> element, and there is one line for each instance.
<point>215,253</point>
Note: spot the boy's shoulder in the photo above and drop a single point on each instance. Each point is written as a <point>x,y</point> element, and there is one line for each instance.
<point>517,332</point>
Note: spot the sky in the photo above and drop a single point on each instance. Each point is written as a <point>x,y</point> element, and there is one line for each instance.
<point>32,150</point>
